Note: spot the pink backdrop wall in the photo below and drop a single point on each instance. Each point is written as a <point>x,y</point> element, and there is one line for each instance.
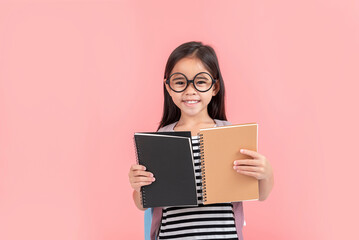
<point>78,78</point>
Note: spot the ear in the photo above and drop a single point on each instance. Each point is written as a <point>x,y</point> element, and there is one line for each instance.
<point>167,87</point>
<point>215,88</point>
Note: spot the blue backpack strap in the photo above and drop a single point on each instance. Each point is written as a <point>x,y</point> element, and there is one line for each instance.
<point>148,222</point>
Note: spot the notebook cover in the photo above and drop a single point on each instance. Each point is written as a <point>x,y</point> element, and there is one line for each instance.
<point>161,154</point>
<point>220,148</point>
<point>176,133</point>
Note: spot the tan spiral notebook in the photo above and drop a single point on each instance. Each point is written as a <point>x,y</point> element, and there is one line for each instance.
<point>220,147</point>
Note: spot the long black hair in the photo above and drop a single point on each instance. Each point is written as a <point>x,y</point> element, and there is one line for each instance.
<point>207,55</point>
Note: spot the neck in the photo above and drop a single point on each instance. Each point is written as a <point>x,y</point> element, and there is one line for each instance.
<point>196,120</point>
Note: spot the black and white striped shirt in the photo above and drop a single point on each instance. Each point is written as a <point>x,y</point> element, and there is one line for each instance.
<point>211,221</point>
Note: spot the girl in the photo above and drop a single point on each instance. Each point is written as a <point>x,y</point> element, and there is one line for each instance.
<point>194,99</point>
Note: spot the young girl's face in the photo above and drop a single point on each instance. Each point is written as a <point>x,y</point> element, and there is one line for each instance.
<point>190,67</point>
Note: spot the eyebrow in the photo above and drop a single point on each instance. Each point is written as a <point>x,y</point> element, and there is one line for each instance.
<point>179,77</point>
<point>195,74</point>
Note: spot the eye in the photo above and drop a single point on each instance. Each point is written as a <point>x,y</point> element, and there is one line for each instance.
<point>179,82</point>
<point>203,79</point>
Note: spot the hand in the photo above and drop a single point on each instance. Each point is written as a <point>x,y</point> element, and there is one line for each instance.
<point>138,177</point>
<point>258,166</point>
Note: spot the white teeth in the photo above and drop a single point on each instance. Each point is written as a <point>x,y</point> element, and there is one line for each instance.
<point>191,101</point>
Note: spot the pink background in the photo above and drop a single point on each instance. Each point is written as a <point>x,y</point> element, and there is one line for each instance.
<point>78,78</point>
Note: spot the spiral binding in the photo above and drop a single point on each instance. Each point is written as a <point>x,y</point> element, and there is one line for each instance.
<point>138,153</point>
<point>203,167</point>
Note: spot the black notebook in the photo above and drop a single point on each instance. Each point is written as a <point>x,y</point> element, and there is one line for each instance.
<point>175,184</point>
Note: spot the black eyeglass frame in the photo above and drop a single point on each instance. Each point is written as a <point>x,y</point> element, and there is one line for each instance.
<point>190,81</point>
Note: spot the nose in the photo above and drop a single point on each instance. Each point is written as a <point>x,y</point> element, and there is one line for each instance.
<point>190,89</point>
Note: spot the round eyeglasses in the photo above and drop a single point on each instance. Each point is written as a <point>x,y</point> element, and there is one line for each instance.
<point>202,82</point>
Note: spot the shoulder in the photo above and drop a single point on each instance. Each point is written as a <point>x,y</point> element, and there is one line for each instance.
<point>168,127</point>
<point>222,122</point>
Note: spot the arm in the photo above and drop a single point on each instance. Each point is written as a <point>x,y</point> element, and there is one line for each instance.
<point>137,199</point>
<point>266,185</point>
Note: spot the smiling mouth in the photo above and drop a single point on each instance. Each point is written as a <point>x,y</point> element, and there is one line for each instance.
<point>191,101</point>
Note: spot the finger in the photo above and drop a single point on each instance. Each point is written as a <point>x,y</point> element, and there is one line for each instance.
<point>140,184</point>
<point>249,169</point>
<point>142,173</point>
<point>138,167</point>
<point>250,162</point>
<point>252,174</point>
<point>251,153</point>
<point>143,179</point>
